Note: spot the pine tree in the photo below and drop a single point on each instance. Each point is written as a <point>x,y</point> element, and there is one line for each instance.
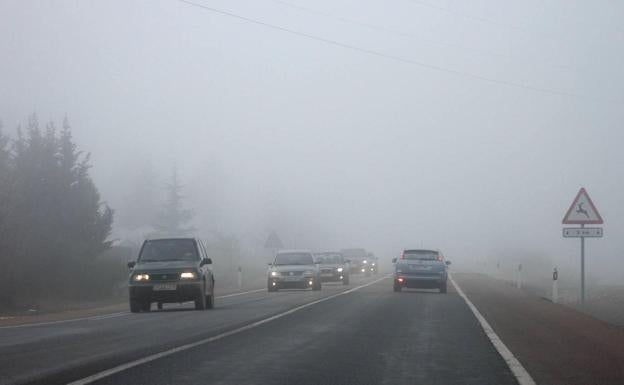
<point>58,221</point>
<point>174,220</point>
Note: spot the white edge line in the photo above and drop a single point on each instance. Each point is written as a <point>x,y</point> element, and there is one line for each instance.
<point>522,376</point>
<point>153,357</point>
<point>241,293</point>
<point>107,315</point>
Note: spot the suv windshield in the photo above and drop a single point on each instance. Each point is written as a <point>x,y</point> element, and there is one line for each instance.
<point>329,259</point>
<point>422,255</point>
<point>294,259</point>
<point>169,250</point>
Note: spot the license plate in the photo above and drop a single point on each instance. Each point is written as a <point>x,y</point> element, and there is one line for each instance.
<point>419,267</point>
<point>164,287</point>
<point>291,279</point>
<point>327,274</point>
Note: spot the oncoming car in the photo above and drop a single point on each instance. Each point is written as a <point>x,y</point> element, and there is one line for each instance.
<point>294,269</point>
<point>421,269</point>
<point>333,267</point>
<point>171,270</point>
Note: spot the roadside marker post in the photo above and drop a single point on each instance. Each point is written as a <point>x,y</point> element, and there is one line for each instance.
<point>582,212</point>
<point>555,285</point>
<point>519,278</point>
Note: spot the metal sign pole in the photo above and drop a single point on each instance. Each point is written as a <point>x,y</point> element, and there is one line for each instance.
<point>582,269</point>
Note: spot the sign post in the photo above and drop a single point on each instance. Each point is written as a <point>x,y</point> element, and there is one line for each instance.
<point>582,212</point>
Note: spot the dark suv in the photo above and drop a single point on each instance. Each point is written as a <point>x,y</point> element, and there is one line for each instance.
<point>333,267</point>
<point>419,268</point>
<point>171,270</point>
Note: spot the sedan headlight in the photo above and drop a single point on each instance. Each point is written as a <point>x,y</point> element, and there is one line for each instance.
<point>373,264</point>
<point>339,269</point>
<point>141,277</point>
<point>275,274</point>
<point>365,261</point>
<point>188,275</point>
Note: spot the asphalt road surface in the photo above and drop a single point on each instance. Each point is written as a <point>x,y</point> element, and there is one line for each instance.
<point>360,334</point>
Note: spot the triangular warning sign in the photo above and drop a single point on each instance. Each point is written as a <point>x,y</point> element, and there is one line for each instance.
<point>273,241</point>
<point>582,211</point>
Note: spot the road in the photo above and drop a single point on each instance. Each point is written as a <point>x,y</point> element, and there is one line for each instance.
<point>361,334</point>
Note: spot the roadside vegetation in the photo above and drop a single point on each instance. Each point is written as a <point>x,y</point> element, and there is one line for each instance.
<point>53,223</point>
<point>55,229</point>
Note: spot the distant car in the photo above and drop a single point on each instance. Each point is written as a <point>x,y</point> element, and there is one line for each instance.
<point>333,266</point>
<point>294,269</point>
<point>171,270</point>
<point>357,258</point>
<point>373,263</point>
<point>419,268</point>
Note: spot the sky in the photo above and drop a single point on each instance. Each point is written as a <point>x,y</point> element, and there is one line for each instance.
<point>467,126</point>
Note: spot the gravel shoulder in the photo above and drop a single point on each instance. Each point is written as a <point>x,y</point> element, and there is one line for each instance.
<point>555,343</point>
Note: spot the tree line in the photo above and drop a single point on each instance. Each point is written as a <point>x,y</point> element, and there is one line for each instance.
<point>53,223</point>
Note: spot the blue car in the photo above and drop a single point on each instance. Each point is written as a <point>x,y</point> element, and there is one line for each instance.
<point>418,268</point>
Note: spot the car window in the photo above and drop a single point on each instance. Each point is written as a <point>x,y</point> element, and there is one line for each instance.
<point>294,259</point>
<point>422,255</point>
<point>169,250</point>
<point>329,258</point>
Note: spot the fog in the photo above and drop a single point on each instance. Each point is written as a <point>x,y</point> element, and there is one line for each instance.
<point>464,126</point>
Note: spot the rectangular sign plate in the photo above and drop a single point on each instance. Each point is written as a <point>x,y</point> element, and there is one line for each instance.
<point>585,232</point>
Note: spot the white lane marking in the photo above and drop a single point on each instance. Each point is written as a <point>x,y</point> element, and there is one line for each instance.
<point>244,292</point>
<point>521,374</point>
<point>153,357</point>
<point>109,315</point>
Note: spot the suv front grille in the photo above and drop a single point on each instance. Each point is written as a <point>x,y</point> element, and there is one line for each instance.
<point>165,277</point>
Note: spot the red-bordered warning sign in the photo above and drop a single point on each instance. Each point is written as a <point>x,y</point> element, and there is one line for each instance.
<point>582,211</point>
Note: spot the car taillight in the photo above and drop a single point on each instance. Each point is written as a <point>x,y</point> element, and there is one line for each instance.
<point>400,280</point>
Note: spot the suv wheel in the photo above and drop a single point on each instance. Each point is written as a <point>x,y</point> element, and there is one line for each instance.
<point>135,306</point>
<point>397,288</point>
<point>146,306</point>
<point>317,285</point>
<point>345,280</point>
<point>443,288</point>
<point>200,301</point>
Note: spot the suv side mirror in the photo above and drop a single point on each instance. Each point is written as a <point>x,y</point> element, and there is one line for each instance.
<point>394,260</point>
<point>448,262</point>
<point>131,264</point>
<point>205,261</point>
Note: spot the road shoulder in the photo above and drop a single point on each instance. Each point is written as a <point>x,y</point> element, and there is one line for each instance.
<point>556,344</point>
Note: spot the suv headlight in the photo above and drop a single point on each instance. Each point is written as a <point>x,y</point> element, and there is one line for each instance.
<point>141,277</point>
<point>275,274</point>
<point>339,269</point>
<point>365,261</point>
<point>188,275</point>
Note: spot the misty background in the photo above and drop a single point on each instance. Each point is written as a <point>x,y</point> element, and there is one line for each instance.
<point>473,134</point>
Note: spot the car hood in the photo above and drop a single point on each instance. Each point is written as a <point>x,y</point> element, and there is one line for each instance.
<point>281,268</point>
<point>166,265</point>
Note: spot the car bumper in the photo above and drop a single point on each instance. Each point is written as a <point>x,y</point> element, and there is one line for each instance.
<point>335,277</point>
<point>183,292</point>
<point>298,283</point>
<point>420,281</point>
